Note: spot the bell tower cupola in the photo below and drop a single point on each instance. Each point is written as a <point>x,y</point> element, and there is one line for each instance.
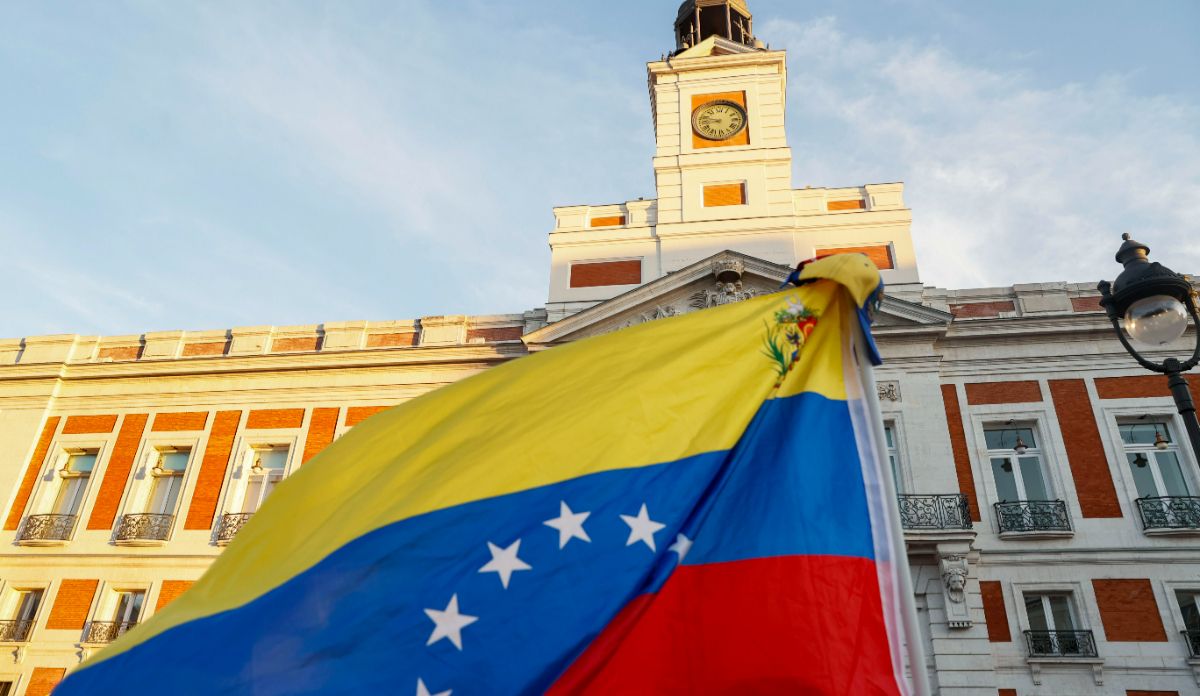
<point>699,19</point>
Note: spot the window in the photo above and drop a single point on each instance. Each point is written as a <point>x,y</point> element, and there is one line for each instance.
<point>5,687</point>
<point>1153,459</point>
<point>893,454</point>
<point>126,608</point>
<point>23,606</point>
<point>265,471</point>
<point>1189,607</point>
<point>1054,628</point>
<point>168,480</point>
<point>74,476</point>
<point>1016,464</point>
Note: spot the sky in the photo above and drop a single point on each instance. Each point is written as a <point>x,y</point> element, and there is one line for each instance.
<point>219,164</point>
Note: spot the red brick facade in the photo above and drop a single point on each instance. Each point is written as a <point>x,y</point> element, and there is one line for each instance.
<point>275,418</point>
<point>89,425</point>
<point>993,612</point>
<point>191,350</point>
<point>212,470</point>
<point>31,474</point>
<point>43,680</point>
<point>1085,454</point>
<point>170,590</point>
<point>116,474</point>
<point>856,204</point>
<point>72,604</point>
<point>320,431</point>
<point>975,310</point>
<point>119,353</point>
<point>958,443</point>
<point>504,333</point>
<point>358,414</point>
<point>1003,393</point>
<point>591,275</point>
<point>296,345</point>
<point>1129,611</point>
<point>179,422</point>
<point>392,340</point>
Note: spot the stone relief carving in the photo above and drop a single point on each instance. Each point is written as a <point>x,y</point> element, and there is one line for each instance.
<point>955,570</point>
<point>726,289</point>
<point>888,391</point>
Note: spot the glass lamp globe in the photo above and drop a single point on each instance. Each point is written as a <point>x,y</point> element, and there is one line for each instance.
<point>1156,320</point>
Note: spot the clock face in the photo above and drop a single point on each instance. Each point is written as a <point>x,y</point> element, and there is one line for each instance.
<point>718,120</point>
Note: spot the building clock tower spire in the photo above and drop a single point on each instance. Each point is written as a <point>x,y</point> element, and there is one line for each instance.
<point>722,178</point>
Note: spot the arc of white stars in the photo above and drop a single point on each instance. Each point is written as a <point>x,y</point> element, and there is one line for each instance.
<point>423,690</point>
<point>569,525</point>
<point>642,528</point>
<point>449,623</point>
<point>505,562</point>
<point>681,546</point>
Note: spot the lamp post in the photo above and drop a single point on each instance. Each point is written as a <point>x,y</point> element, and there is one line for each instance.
<point>1152,303</point>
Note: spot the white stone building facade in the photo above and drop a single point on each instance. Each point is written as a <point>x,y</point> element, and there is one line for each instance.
<point>1047,490</point>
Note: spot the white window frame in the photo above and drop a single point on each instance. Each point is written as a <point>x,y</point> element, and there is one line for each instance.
<point>1014,460</point>
<point>1130,410</point>
<point>1152,462</point>
<point>1053,451</point>
<point>141,484</point>
<point>1075,595</point>
<point>239,473</point>
<point>900,449</point>
<point>10,593</point>
<point>42,498</point>
<point>104,604</point>
<point>1170,587</point>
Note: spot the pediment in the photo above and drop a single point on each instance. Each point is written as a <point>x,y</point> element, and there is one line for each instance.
<point>716,46</point>
<point>706,283</point>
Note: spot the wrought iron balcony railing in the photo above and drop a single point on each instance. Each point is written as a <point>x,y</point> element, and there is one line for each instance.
<point>231,522</point>
<point>1172,512</point>
<point>106,631</point>
<point>145,526</point>
<point>15,631</point>
<point>934,511</point>
<point>1193,639</point>
<point>1061,643</point>
<point>47,528</point>
<point>1033,516</point>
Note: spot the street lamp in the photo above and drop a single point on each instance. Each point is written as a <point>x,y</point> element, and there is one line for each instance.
<point>1152,303</point>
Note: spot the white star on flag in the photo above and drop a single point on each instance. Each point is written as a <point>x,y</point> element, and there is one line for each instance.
<point>681,546</point>
<point>449,623</point>
<point>504,562</point>
<point>422,690</point>
<point>642,528</point>
<point>569,524</point>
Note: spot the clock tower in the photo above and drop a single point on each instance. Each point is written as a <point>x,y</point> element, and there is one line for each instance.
<point>723,178</point>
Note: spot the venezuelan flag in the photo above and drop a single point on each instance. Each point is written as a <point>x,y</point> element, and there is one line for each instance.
<point>692,505</point>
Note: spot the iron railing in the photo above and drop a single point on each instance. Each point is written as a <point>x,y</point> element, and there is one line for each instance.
<point>15,631</point>
<point>231,522</point>
<point>1061,643</point>
<point>1170,512</point>
<point>1193,639</point>
<point>106,631</point>
<point>934,511</point>
<point>145,526</point>
<point>47,528</point>
<point>1033,516</point>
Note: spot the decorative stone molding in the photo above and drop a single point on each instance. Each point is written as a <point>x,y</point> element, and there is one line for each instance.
<point>955,570</point>
<point>1036,663</point>
<point>888,391</point>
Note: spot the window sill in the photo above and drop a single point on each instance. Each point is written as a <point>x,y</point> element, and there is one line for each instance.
<point>1039,534</point>
<point>42,542</point>
<point>140,542</point>
<point>1172,531</point>
<point>1036,664</point>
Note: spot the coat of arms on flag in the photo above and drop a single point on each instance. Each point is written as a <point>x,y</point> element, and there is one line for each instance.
<point>693,505</point>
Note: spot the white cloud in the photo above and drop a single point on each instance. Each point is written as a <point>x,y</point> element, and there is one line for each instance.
<point>1009,180</point>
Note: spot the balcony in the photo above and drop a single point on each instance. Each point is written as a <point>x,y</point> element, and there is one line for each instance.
<point>15,631</point>
<point>919,512</point>
<point>106,631</point>
<point>231,522</point>
<point>46,530</point>
<point>144,529</point>
<point>1060,643</point>
<point>1167,515</point>
<point>1033,518</point>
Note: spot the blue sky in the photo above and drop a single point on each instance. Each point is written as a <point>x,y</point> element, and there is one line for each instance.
<point>168,166</point>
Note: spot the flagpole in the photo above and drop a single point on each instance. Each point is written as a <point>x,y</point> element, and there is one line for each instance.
<point>912,632</point>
